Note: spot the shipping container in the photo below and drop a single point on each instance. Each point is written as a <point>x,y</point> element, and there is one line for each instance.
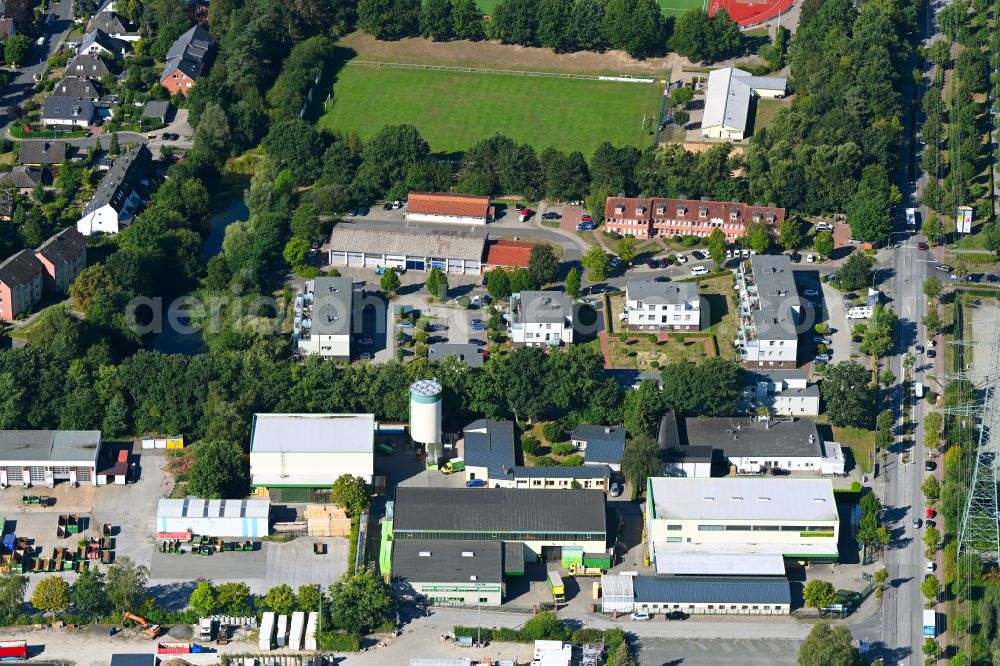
<point>178,647</point>
<point>602,560</point>
<point>147,444</point>
<point>311,626</point>
<point>13,650</point>
<point>281,637</point>
<point>266,639</point>
<point>295,633</point>
<point>175,442</point>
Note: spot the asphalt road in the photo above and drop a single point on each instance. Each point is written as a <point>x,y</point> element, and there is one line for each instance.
<point>56,25</point>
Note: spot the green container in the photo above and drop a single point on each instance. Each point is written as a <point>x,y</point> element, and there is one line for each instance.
<point>600,560</point>
<point>572,555</point>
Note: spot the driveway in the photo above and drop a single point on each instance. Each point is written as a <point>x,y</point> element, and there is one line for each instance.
<point>837,319</point>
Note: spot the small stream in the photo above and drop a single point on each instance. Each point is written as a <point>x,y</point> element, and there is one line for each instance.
<point>171,341</point>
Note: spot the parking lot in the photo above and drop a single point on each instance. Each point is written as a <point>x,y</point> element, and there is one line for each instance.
<point>716,652</point>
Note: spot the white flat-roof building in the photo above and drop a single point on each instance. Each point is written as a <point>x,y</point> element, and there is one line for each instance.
<point>792,517</point>
<point>323,315</point>
<point>727,101</point>
<point>667,306</point>
<point>785,392</point>
<point>46,457</point>
<point>217,518</point>
<point>540,318</point>
<point>770,310</point>
<point>310,450</point>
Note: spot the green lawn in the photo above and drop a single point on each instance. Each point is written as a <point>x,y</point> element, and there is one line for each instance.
<point>669,7</point>
<point>453,110</point>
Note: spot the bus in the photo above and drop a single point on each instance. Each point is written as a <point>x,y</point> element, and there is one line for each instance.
<point>556,587</point>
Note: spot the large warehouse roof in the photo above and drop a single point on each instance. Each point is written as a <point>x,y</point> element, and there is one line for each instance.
<point>444,244</point>
<point>742,499</point>
<point>498,510</point>
<point>201,508</point>
<point>313,433</point>
<point>50,445</point>
<point>720,564</point>
<point>440,561</point>
<point>705,590</point>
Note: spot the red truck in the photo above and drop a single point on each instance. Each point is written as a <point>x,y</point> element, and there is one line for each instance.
<point>10,650</point>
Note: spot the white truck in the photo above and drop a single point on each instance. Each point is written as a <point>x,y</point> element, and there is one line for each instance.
<point>930,624</point>
<point>207,629</point>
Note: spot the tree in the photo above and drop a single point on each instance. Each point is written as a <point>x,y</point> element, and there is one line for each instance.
<point>823,244</point>
<point>596,261</point>
<point>932,229</point>
<point>389,19</point>
<point>295,145</point>
<point>351,493</point>
<point>880,332</point>
<point>640,461</point>
<point>712,388</point>
<point>791,233</point>
<point>681,97</point>
<point>125,584</point>
<point>856,271</point>
<point>546,626</point>
<point>870,210</point>
<point>12,589</point>
<point>622,656</point>
<point>626,248</point>
<point>931,647</point>
<point>468,19</point>
<point>554,28</point>
<point>220,471</point>
<point>498,284</point>
<point>818,593</point>
<point>573,283</point>
<point>932,287</point>
<point>361,602</point>
<point>642,409</point>
<point>931,588</point>
<point>390,281</point>
<point>758,238</point>
<point>89,599</point>
<point>436,21</point>
<point>691,35</point>
<point>89,284</point>
<point>280,599</point>
<point>83,8</point>
<point>848,394</point>
<point>437,283</point>
<point>543,264</point>
<point>51,595</point>
<point>15,49</point>
<point>931,488</point>
<point>203,599</point>
<point>515,22</point>
<point>296,254</point>
<point>932,322</point>
<point>932,537</point>
<point>826,646</point>
<point>634,26</point>
<point>717,246</point>
<point>233,598</point>
<point>114,148</point>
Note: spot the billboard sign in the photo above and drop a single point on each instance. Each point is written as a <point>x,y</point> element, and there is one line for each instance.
<point>963,220</point>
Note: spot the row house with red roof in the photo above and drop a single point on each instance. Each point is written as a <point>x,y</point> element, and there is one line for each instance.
<point>650,217</point>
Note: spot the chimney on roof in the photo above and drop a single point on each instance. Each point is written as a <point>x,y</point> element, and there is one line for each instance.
<point>607,430</point>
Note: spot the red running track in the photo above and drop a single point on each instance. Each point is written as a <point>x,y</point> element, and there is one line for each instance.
<point>750,13</point>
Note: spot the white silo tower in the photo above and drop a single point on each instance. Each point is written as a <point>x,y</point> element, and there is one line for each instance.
<point>425,417</point>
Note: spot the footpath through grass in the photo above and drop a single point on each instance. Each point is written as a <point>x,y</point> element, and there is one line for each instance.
<point>453,110</point>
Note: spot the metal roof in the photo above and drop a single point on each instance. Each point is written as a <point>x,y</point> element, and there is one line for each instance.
<point>709,590</point>
<point>313,433</point>
<point>617,585</point>
<point>490,444</point>
<point>54,445</point>
<point>740,436</point>
<point>443,561</point>
<point>442,244</point>
<point>661,293</point>
<point>192,507</point>
<point>727,96</point>
<point>499,510</point>
<point>731,498</point>
<point>719,564</point>
<point>559,472</point>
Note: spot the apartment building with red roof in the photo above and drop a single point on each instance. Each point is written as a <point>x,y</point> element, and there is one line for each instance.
<point>448,207</point>
<point>647,218</point>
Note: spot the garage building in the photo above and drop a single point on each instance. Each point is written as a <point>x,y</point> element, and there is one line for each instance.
<point>216,518</point>
<point>46,457</point>
<point>310,450</point>
<point>364,245</point>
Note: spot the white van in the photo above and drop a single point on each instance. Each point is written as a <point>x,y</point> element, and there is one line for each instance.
<point>699,270</point>
<point>918,390</point>
<point>863,312</point>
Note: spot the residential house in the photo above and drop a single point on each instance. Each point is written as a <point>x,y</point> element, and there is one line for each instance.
<point>489,452</point>
<point>120,194</point>
<point>67,111</point>
<point>39,152</point>
<point>448,208</point>
<point>648,218</point>
<point>20,284</point>
<point>507,254</point>
<point>728,98</point>
<point>21,178</point>
<point>77,86</point>
<point>662,306</point>
<point>98,42</point>
<point>540,318</point>
<point>115,26</point>
<point>323,316</point>
<point>770,310</point>
<point>88,64</point>
<point>63,257</point>
<point>784,392</point>
<point>601,445</point>
<point>547,477</point>
<point>186,60</point>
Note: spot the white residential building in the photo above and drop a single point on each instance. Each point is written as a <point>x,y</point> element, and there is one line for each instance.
<point>323,316</point>
<point>120,194</point>
<point>655,306</point>
<point>541,318</point>
<point>727,101</point>
<point>785,392</point>
<point>770,311</point>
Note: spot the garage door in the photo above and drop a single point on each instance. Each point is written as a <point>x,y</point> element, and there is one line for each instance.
<point>414,265</point>
<point>456,266</point>
<point>355,259</point>
<point>373,260</point>
<point>338,258</point>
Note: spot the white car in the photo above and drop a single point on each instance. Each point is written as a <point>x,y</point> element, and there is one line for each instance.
<point>681,259</point>
<point>640,616</point>
<point>930,567</point>
<point>853,241</point>
<point>699,270</point>
<point>823,226</point>
<point>810,258</point>
<point>40,41</point>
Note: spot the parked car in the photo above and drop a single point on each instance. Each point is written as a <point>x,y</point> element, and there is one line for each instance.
<point>478,325</point>
<point>931,353</point>
<point>922,245</point>
<point>930,567</point>
<point>930,465</point>
<point>917,523</point>
<point>681,259</point>
<point>810,258</point>
<point>387,205</point>
<point>475,483</point>
<point>823,226</point>
<point>990,277</point>
<point>616,489</point>
<point>28,89</point>
<point>810,292</point>
<point>944,268</point>
<point>640,616</point>
<point>552,216</point>
<point>820,340</point>
<point>170,136</point>
<point>585,226</point>
<point>918,349</point>
<point>930,513</point>
<point>586,218</point>
<point>676,615</point>
<point>662,278</point>
<point>822,358</point>
<point>699,270</point>
<point>40,41</point>
<point>396,205</point>
<point>853,241</point>
<point>406,323</point>
<point>365,356</point>
<point>700,255</point>
<point>931,523</point>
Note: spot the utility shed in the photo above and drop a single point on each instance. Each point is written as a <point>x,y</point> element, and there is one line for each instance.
<point>217,518</point>
<point>617,594</point>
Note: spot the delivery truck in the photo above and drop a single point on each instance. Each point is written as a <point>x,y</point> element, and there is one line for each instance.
<point>454,465</point>
<point>930,624</point>
<point>556,587</point>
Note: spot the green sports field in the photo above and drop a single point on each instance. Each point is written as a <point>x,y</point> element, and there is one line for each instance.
<point>669,7</point>
<point>453,110</point>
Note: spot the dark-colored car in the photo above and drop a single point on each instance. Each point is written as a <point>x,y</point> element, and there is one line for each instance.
<point>931,353</point>
<point>170,136</point>
<point>777,471</point>
<point>676,615</point>
<point>585,226</point>
<point>922,245</point>
<point>552,216</point>
<point>387,205</point>
<point>653,263</point>
<point>28,89</point>
<point>365,340</point>
<point>662,278</point>
<point>917,523</point>
<point>930,465</point>
<point>990,277</point>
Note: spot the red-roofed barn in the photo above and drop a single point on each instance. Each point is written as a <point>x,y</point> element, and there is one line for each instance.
<point>448,208</point>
